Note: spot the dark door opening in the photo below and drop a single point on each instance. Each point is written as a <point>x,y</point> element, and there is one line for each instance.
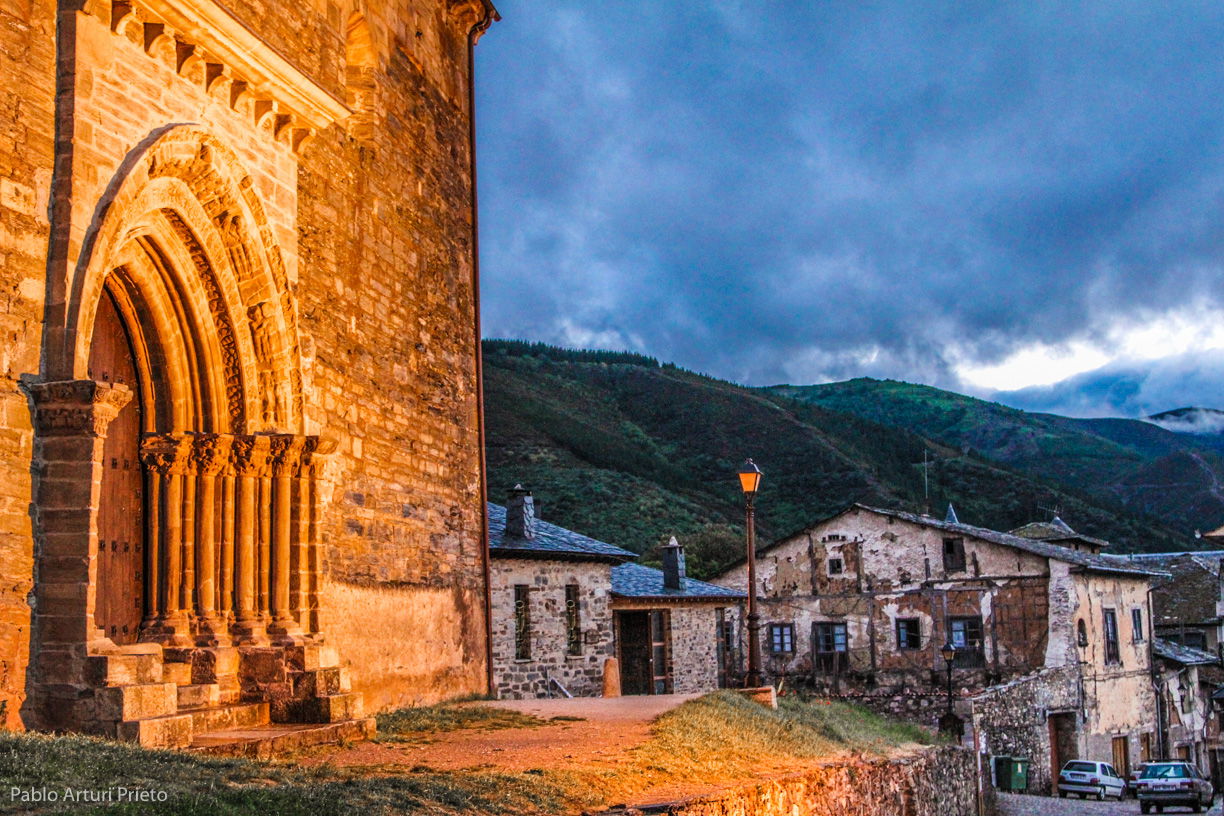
<point>120,595</point>
<point>1063,747</point>
<point>643,647</point>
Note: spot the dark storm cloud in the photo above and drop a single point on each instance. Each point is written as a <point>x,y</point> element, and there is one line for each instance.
<point>794,192</point>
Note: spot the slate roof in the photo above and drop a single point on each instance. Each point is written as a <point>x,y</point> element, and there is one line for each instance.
<point>1111,564</point>
<point>550,541</point>
<point>1055,530</point>
<point>1185,655</point>
<point>637,581</point>
<point>1189,593</point>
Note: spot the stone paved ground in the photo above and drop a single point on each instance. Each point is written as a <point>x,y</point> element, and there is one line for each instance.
<point>1017,805</point>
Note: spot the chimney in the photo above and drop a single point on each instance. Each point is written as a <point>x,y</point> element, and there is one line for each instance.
<point>673,564</point>
<point>520,514</point>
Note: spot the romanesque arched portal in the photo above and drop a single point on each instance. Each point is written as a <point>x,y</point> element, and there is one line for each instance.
<point>195,521</point>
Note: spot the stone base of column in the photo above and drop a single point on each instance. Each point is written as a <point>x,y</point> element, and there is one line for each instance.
<point>172,631</point>
<point>285,631</point>
<point>212,632</point>
<point>249,632</point>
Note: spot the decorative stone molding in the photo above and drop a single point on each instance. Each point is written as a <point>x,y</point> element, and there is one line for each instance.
<point>77,407</point>
<point>209,46</point>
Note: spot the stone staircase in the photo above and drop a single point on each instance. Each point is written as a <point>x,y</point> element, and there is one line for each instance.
<point>241,701</point>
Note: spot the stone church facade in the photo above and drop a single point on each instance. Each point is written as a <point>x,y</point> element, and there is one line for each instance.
<point>240,442</point>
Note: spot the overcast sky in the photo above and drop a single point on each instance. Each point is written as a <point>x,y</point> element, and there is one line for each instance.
<point>993,198</point>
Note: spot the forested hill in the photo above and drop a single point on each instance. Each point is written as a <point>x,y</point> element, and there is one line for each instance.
<point>623,448</point>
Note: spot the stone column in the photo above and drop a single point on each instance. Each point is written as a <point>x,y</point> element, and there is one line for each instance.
<point>302,588</point>
<point>70,420</point>
<point>286,460</point>
<point>210,453</point>
<point>166,458</point>
<point>229,518</point>
<point>250,459</point>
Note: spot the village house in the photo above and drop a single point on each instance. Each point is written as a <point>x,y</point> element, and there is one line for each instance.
<point>1186,679</point>
<point>564,604</point>
<point>1052,653</point>
<point>240,413</point>
<point>1188,604</point>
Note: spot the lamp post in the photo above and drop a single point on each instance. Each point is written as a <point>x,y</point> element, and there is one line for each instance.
<point>949,723</point>
<point>750,481</point>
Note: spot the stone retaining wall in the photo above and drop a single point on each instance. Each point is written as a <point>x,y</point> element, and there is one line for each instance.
<point>935,782</point>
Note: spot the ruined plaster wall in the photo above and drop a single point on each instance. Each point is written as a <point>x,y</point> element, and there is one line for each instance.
<point>27,131</point>
<point>1188,705</point>
<point>386,302</point>
<point>1012,719</point>
<point>933,782</point>
<point>582,675</point>
<point>1119,700</point>
<point>894,569</point>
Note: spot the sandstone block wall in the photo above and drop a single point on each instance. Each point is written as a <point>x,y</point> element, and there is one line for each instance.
<point>27,156</point>
<point>582,675</point>
<point>694,639</point>
<point>373,225</point>
<point>935,782</point>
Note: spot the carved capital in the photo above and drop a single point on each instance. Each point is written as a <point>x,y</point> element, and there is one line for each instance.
<point>167,454</point>
<point>76,407</point>
<point>249,455</point>
<point>286,454</point>
<point>210,453</point>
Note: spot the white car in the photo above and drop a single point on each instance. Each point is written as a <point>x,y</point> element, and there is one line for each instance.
<point>1086,778</point>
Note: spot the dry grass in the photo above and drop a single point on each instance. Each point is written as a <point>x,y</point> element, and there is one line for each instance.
<point>418,724</point>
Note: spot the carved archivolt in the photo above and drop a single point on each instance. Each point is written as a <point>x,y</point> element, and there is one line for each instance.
<point>205,201</point>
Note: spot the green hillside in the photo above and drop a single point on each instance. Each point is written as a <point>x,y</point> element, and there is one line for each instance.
<point>1175,477</point>
<point>627,450</point>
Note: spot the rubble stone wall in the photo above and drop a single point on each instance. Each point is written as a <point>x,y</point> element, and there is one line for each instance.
<point>935,782</point>
<point>581,674</point>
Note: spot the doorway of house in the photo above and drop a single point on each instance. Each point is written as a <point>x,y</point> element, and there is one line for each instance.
<point>1063,747</point>
<point>643,649</point>
<point>120,600</point>
<point>1121,756</point>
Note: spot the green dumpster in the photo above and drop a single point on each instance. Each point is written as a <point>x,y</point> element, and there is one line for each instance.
<point>1003,772</point>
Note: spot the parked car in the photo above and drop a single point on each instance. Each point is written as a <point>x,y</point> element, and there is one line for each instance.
<point>1165,784</point>
<point>1135,781</point>
<point>1085,778</point>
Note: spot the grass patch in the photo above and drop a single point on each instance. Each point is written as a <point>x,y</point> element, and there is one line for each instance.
<point>714,739</point>
<point>418,723</point>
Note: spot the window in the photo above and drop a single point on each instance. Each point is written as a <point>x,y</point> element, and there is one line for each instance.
<point>1137,625</point>
<point>522,622</point>
<point>1081,634</point>
<point>573,621</point>
<point>966,635</point>
<point>660,627</point>
<point>954,554</point>
<point>1111,637</point>
<point>782,638</point>
<point>835,566</point>
<point>909,634</point>
<point>831,646</point>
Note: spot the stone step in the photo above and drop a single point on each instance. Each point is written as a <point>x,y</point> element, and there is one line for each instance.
<point>320,682</point>
<point>326,708</point>
<point>137,702</point>
<point>124,669</point>
<point>199,695</point>
<point>177,673</point>
<point>229,717</point>
<point>264,742</point>
<point>172,731</point>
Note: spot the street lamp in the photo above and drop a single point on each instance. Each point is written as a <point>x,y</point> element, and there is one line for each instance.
<point>750,481</point>
<point>949,723</point>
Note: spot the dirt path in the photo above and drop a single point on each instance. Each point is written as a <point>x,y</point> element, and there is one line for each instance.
<point>606,728</point>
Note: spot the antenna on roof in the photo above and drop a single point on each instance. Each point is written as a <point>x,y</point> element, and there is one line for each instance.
<point>1054,511</point>
<point>926,485</point>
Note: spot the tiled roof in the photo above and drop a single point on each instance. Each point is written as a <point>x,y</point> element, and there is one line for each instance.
<point>1185,655</point>
<point>637,581</point>
<point>1114,564</point>
<point>1055,530</point>
<point>550,541</point>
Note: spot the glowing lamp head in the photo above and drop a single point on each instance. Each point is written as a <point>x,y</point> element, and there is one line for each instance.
<point>750,477</point>
<point>948,651</point>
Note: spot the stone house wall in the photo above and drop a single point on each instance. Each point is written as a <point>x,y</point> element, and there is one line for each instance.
<point>371,218</point>
<point>692,639</point>
<point>582,675</point>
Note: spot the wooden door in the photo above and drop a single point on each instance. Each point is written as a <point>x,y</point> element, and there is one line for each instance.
<point>1121,756</point>
<point>120,598</point>
<point>633,632</point>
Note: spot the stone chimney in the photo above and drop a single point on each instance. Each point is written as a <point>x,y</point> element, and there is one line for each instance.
<point>673,564</point>
<point>520,514</point>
